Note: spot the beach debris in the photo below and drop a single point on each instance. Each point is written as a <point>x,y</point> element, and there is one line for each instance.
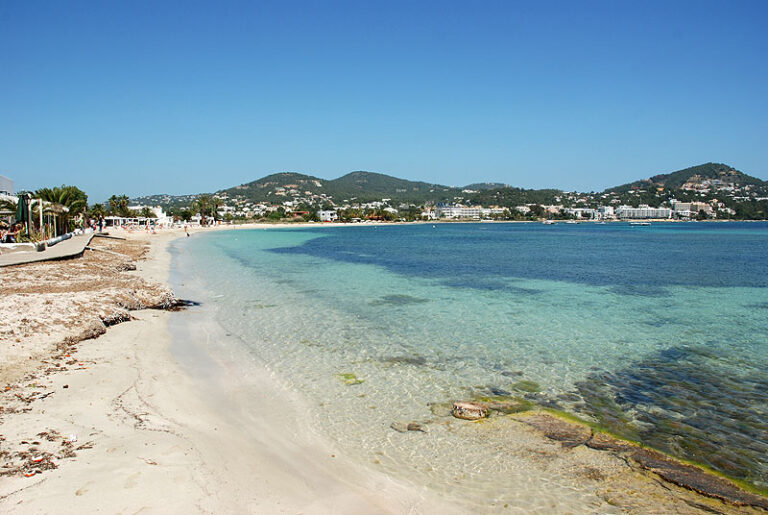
<point>126,267</point>
<point>350,379</point>
<point>116,317</point>
<point>469,410</point>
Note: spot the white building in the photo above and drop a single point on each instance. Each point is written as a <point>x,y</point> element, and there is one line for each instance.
<point>328,216</point>
<point>223,210</point>
<point>159,216</point>
<point>472,213</point>
<point>690,209</point>
<point>6,186</point>
<point>643,211</point>
<point>605,212</point>
<point>582,212</point>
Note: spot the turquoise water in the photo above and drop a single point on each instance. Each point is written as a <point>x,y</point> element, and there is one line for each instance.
<point>659,333</point>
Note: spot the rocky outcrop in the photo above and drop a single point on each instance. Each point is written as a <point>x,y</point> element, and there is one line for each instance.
<point>469,410</point>
<point>572,434</point>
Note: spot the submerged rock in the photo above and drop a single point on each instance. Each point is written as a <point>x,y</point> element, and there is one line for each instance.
<point>404,427</point>
<point>506,404</point>
<point>399,426</point>
<point>527,386</point>
<point>469,410</point>
<point>569,434</point>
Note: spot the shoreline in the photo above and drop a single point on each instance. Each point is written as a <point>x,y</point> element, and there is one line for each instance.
<point>202,436</point>
<point>144,439</point>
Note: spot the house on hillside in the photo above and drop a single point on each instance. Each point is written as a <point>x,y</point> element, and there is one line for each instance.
<point>328,216</point>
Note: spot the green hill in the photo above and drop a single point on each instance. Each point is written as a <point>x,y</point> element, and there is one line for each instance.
<point>481,186</point>
<point>366,186</point>
<point>721,173</point>
<point>268,188</point>
<point>361,186</point>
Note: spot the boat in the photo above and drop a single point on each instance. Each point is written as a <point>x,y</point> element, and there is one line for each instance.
<point>639,223</point>
<point>549,222</point>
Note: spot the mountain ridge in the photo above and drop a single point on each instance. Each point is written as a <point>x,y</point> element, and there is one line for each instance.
<point>365,186</point>
<point>699,174</point>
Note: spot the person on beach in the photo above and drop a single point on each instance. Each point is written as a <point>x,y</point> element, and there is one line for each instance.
<point>101,223</point>
<point>186,229</point>
<point>11,235</point>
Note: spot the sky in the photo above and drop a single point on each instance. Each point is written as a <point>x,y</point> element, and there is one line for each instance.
<point>146,97</point>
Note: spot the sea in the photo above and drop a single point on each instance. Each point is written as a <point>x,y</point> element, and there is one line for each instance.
<point>656,333</point>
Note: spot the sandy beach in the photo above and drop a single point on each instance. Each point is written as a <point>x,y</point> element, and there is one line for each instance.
<point>142,434</point>
<point>102,416</point>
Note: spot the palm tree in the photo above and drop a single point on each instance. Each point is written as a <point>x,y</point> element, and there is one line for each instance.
<point>71,197</point>
<point>147,212</point>
<point>97,211</point>
<point>203,205</point>
<point>215,204</point>
<point>64,203</point>
<point>7,206</point>
<point>118,205</point>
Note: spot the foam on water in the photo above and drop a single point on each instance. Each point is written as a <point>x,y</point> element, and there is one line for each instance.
<point>659,333</point>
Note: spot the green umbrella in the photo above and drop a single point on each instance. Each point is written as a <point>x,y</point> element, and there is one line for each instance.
<point>22,208</point>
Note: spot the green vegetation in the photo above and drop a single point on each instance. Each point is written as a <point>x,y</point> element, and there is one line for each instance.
<point>527,386</point>
<point>350,379</point>
<point>675,180</point>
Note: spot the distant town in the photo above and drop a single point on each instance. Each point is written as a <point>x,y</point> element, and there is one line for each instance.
<point>706,192</point>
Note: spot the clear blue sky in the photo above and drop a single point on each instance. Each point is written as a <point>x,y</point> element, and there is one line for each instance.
<point>183,97</point>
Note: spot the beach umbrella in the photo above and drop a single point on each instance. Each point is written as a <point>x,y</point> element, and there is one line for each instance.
<point>22,208</point>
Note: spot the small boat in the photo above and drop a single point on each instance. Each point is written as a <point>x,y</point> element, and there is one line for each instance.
<point>549,222</point>
<point>571,222</point>
<point>639,223</point>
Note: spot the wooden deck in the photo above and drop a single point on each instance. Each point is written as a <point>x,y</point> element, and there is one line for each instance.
<point>73,247</point>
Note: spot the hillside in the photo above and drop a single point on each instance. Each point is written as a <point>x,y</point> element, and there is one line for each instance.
<point>709,175</point>
<point>278,184</point>
<point>362,186</point>
<point>164,200</point>
<point>365,186</point>
<point>481,186</point>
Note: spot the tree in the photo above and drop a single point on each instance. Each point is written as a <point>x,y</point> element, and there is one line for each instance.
<point>97,211</point>
<point>118,205</point>
<point>203,206</point>
<point>216,203</point>
<point>71,197</point>
<point>65,203</point>
<point>147,212</point>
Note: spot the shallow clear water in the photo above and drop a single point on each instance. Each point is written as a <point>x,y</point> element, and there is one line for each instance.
<point>659,333</point>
